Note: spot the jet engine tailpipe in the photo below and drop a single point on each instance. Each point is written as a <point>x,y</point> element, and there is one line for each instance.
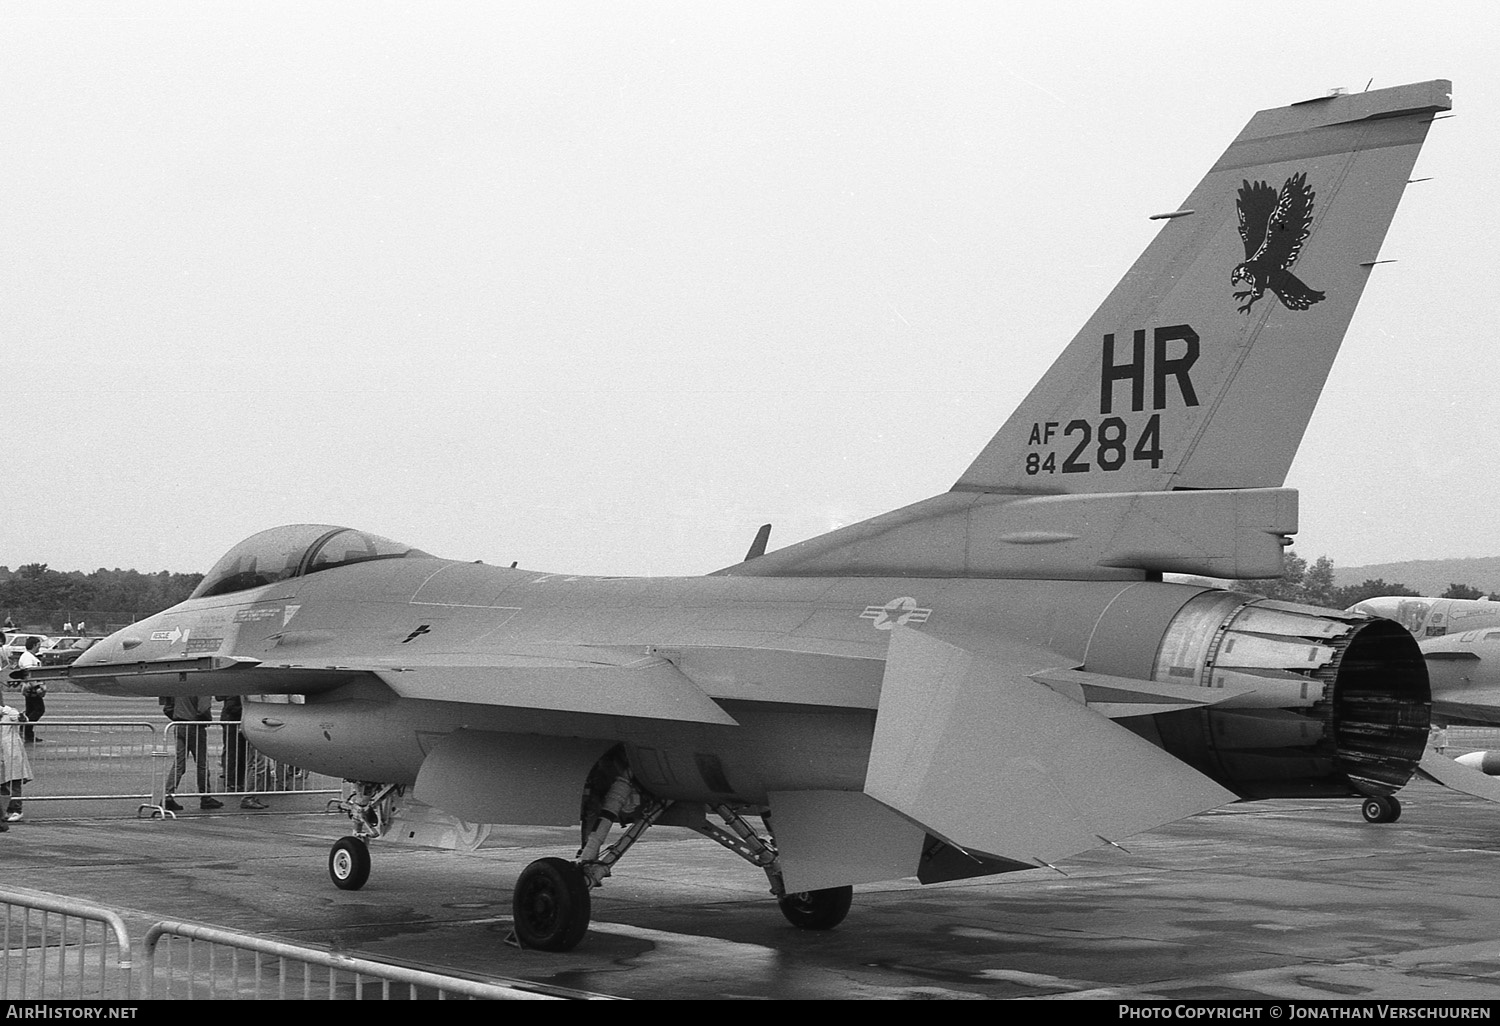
<point>1338,703</point>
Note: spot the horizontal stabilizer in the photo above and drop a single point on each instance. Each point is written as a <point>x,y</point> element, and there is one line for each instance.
<point>1475,707</point>
<point>1442,770</point>
<point>992,762</point>
<point>1118,697</point>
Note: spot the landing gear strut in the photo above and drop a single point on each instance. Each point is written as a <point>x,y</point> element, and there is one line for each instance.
<point>370,807</point>
<point>551,901</point>
<point>1385,809</point>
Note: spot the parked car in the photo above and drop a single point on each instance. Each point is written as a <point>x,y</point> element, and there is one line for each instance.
<point>65,650</point>
<point>15,644</point>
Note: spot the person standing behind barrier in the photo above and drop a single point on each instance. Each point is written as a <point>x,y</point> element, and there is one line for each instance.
<point>191,740</point>
<point>15,767</point>
<point>34,690</point>
<point>236,750</point>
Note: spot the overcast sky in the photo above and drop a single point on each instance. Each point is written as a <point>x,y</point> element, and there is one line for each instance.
<point>601,287</point>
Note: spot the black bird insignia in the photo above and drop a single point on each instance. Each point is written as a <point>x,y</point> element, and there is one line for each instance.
<point>1273,228</point>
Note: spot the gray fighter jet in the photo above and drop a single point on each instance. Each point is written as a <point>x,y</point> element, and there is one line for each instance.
<point>987,680</point>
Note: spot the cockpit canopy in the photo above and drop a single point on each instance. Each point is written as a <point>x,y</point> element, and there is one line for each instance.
<point>295,551</point>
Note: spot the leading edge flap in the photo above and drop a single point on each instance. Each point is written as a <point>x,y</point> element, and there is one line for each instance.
<point>995,763</point>
<point>651,688</point>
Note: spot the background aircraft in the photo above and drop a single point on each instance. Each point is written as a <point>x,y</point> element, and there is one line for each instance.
<point>1433,617</point>
<point>987,680</point>
<point>1460,640</point>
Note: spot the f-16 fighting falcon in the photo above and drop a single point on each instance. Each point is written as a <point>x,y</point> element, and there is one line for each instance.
<point>986,680</point>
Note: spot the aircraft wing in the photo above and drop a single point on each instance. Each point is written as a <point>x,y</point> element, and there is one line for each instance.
<point>596,680</point>
<point>650,688</point>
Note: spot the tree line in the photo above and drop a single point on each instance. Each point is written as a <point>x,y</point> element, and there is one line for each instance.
<point>37,597</point>
<point>1313,585</point>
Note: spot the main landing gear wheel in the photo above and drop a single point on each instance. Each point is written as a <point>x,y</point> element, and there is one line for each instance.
<point>349,863</point>
<point>817,910</point>
<point>1381,810</point>
<point>551,905</point>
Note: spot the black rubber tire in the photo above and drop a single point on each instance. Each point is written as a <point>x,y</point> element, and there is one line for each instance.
<point>817,910</point>
<point>551,905</point>
<point>1381,810</point>
<point>349,863</point>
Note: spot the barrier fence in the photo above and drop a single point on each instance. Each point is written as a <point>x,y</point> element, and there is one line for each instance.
<point>229,766</point>
<point>94,759</point>
<point>49,952</point>
<point>186,960</point>
<point>60,949</point>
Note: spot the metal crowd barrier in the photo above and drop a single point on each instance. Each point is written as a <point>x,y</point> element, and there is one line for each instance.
<point>86,759</point>
<point>60,949</point>
<point>57,948</point>
<point>232,768</point>
<point>1464,738</point>
<point>95,759</point>
<point>220,964</point>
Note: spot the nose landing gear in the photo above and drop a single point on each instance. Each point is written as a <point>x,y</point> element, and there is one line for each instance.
<point>370,807</point>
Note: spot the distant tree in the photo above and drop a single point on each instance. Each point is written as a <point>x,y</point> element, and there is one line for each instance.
<point>1317,583</point>
<point>1348,595</point>
<point>1287,587</point>
<point>1313,585</point>
<point>39,595</point>
<point>1462,591</point>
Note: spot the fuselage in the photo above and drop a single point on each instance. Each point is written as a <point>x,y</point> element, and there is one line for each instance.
<point>795,663</point>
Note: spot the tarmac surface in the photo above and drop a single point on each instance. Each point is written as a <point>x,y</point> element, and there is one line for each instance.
<point>1271,900</point>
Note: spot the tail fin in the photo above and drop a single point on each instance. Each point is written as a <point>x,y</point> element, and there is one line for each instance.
<point>1203,366</point>
<point>1160,438</point>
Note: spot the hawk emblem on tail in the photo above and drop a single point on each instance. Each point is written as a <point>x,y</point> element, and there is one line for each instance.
<point>1273,227</point>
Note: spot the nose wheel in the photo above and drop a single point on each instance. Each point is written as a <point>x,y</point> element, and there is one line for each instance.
<point>349,863</point>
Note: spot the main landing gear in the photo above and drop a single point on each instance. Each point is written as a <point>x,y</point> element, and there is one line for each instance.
<point>1384,809</point>
<point>551,901</point>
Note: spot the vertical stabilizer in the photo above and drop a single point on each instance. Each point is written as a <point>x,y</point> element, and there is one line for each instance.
<point>1203,366</point>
